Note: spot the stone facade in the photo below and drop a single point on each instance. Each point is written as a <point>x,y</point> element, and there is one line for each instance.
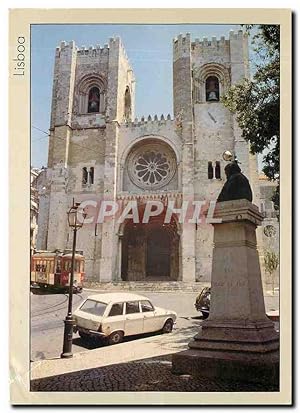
<point>37,182</point>
<point>107,154</point>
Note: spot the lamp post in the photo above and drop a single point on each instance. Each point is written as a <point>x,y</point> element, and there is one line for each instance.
<point>75,223</point>
<point>230,157</point>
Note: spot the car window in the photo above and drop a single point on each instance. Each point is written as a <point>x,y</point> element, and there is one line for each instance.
<point>132,307</point>
<point>93,307</point>
<point>146,306</point>
<point>116,309</point>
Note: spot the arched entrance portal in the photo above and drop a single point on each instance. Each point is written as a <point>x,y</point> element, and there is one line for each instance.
<point>150,252</point>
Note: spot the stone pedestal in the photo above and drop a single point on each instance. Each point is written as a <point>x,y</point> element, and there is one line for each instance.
<point>237,341</point>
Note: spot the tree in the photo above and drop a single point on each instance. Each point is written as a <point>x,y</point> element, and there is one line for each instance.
<point>256,102</point>
<point>271,262</point>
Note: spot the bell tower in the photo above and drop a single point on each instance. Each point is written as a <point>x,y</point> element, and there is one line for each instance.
<point>203,70</point>
<point>93,93</point>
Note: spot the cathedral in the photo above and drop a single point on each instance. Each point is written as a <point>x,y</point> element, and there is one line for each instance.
<point>98,150</point>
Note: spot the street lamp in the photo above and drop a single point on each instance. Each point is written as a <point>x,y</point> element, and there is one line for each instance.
<point>75,221</point>
<point>230,157</point>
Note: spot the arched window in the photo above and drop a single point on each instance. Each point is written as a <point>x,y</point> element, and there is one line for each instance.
<point>91,173</point>
<point>212,89</point>
<point>127,105</point>
<point>210,170</point>
<point>84,176</point>
<point>94,100</point>
<point>218,170</point>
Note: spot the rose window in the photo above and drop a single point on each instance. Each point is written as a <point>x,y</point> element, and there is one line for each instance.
<point>152,166</point>
<point>269,231</point>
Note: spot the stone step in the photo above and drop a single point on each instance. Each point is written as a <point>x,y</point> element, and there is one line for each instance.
<point>146,286</point>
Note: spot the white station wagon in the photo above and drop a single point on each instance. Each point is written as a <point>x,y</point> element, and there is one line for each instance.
<point>117,315</point>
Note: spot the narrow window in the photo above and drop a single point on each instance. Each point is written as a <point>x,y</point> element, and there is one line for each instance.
<point>210,171</point>
<point>84,176</point>
<point>127,105</point>
<point>218,170</point>
<point>58,267</point>
<point>94,100</point>
<point>91,173</point>
<point>212,89</point>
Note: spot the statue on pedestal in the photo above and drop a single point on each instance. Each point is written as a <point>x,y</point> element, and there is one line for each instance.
<point>237,185</point>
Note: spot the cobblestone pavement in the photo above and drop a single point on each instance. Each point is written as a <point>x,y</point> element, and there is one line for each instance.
<point>143,375</point>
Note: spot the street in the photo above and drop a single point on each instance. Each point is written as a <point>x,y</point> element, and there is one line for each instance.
<point>49,310</point>
<point>140,363</point>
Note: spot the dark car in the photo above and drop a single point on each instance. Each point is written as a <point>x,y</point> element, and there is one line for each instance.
<point>203,302</point>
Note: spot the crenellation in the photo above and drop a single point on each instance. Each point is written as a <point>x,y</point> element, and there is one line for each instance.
<point>181,46</point>
<point>198,45</point>
<point>233,35</point>
<point>149,120</point>
<point>93,51</point>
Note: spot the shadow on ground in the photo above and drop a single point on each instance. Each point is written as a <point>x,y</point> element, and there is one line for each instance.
<point>153,374</point>
<point>93,343</point>
<point>181,335</point>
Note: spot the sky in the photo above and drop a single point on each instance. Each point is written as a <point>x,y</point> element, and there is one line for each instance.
<point>149,48</point>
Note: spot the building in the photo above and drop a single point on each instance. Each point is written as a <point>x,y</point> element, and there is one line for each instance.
<point>99,150</point>
<point>34,208</point>
<point>37,181</point>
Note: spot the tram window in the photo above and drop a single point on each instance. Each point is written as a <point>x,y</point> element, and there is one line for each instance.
<point>48,266</point>
<point>43,268</point>
<point>67,265</point>
<point>58,267</point>
<point>37,267</point>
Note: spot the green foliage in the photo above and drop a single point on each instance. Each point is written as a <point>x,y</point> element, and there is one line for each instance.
<point>256,102</point>
<point>271,262</point>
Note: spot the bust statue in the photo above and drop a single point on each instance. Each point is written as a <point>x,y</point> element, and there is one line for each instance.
<point>237,185</point>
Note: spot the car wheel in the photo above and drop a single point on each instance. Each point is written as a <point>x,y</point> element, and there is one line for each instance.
<point>168,326</point>
<point>116,337</point>
<point>205,315</point>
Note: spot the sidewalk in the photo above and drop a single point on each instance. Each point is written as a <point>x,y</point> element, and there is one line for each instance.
<point>155,345</point>
<point>153,375</point>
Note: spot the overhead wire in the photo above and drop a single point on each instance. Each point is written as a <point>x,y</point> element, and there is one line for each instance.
<point>58,137</point>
